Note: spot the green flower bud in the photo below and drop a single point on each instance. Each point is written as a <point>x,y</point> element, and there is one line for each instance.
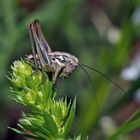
<point>21,71</point>
<point>31,96</point>
<point>34,80</point>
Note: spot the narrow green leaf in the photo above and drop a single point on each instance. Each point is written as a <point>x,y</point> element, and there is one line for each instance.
<point>50,124</point>
<point>38,130</point>
<point>70,118</point>
<point>125,129</point>
<point>34,124</point>
<point>22,133</point>
<point>132,116</point>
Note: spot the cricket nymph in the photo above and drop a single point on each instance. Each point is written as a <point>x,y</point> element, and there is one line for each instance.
<point>65,61</point>
<point>58,63</point>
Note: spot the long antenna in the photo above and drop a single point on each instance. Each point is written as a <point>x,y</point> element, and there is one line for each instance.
<point>91,68</point>
<point>96,101</point>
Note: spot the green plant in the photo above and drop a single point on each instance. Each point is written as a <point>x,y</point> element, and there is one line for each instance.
<point>46,118</point>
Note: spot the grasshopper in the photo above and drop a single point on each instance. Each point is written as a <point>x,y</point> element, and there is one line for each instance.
<point>60,64</point>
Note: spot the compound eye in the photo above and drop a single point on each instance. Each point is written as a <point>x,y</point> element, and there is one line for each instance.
<point>53,59</point>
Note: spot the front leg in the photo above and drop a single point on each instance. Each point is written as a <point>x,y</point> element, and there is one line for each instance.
<point>56,74</point>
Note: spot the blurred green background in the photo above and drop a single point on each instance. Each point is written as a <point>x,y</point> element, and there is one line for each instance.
<point>104,34</point>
